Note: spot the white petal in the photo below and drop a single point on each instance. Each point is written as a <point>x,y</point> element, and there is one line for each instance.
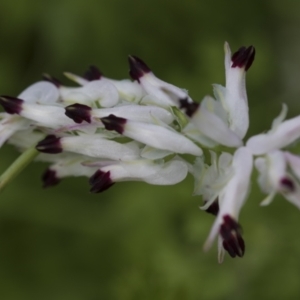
<point>127,89</point>
<point>136,113</point>
<point>153,153</point>
<point>95,91</point>
<point>145,170</point>
<point>72,168</point>
<point>277,121</point>
<point>46,115</point>
<point>236,96</point>
<point>162,90</point>
<point>194,134</point>
<point>215,128</point>
<point>95,146</point>
<point>294,163</point>
<point>286,133</point>
<point>235,192</point>
<point>268,199</point>
<point>42,92</point>
<point>221,250</point>
<point>161,138</point>
<point>76,78</point>
<point>10,125</point>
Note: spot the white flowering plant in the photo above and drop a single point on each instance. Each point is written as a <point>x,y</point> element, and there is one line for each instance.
<point>149,130</point>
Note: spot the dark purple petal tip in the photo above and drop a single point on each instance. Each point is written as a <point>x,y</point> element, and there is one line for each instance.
<point>114,123</point>
<point>243,58</point>
<point>189,107</point>
<point>50,178</point>
<point>11,105</point>
<point>213,208</point>
<point>287,184</point>
<point>78,113</point>
<point>137,67</point>
<point>51,79</point>
<point>231,233</point>
<point>93,73</point>
<point>50,144</point>
<point>100,181</point>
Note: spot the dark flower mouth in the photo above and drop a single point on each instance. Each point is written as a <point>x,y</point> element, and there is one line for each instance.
<point>213,208</point>
<point>112,122</point>
<point>11,105</point>
<point>79,113</point>
<point>93,73</point>
<point>243,58</point>
<point>230,232</point>
<point>100,181</point>
<point>50,144</point>
<point>137,68</point>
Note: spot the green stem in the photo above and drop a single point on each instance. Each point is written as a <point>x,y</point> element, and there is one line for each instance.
<point>17,166</point>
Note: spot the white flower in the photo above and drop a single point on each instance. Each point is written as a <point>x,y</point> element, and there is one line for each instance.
<point>158,173</point>
<point>279,173</point>
<point>231,199</point>
<point>226,120</point>
<point>282,134</point>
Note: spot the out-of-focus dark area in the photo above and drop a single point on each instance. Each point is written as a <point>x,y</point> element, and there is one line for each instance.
<point>137,241</point>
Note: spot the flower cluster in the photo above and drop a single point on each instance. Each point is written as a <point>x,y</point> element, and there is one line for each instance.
<point>148,130</point>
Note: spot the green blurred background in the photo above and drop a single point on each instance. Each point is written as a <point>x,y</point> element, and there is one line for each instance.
<point>137,241</point>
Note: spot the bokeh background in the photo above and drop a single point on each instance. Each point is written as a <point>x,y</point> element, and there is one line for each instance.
<point>137,241</point>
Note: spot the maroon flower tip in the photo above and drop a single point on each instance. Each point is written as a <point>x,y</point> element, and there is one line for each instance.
<point>137,68</point>
<point>50,178</point>
<point>100,181</point>
<point>233,242</point>
<point>114,123</point>
<point>11,105</point>
<point>50,144</point>
<point>243,58</point>
<point>213,208</point>
<point>53,80</point>
<point>78,112</point>
<point>189,107</point>
<point>287,184</point>
<point>93,73</point>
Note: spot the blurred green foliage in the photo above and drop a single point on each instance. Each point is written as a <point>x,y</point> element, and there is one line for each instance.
<point>137,241</point>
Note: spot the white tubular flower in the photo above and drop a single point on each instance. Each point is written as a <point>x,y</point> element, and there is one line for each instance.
<point>275,176</point>
<point>40,92</point>
<point>156,136</point>
<point>128,90</point>
<point>159,92</point>
<point>234,96</point>
<point>89,145</point>
<point>97,91</point>
<point>158,173</point>
<point>231,199</point>
<point>42,115</point>
<point>226,120</point>
<point>282,134</point>
<point>148,114</point>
